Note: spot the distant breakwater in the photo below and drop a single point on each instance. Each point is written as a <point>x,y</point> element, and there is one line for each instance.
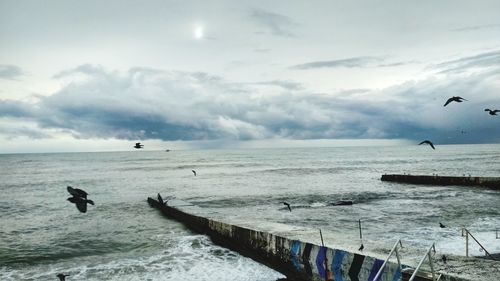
<point>489,182</point>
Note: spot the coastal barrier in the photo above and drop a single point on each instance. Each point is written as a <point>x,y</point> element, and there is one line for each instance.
<point>297,260</point>
<point>489,182</point>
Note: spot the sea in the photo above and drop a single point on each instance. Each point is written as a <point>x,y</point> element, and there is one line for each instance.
<point>122,238</point>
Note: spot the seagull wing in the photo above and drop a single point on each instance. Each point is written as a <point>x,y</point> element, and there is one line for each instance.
<point>448,101</point>
<point>77,192</point>
<point>432,145</point>
<point>423,142</point>
<point>495,111</point>
<point>487,109</point>
<point>72,191</point>
<point>81,205</point>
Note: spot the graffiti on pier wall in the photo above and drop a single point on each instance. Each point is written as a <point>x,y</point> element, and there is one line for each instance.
<point>343,265</point>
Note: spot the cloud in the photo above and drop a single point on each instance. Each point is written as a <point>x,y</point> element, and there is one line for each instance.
<point>12,130</point>
<point>144,103</point>
<point>477,27</point>
<point>349,62</point>
<point>275,24</point>
<point>479,61</point>
<point>10,72</point>
<point>353,62</point>
<point>16,109</point>
<point>288,85</point>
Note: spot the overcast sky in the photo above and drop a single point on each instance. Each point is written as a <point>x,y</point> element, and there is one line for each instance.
<point>100,75</point>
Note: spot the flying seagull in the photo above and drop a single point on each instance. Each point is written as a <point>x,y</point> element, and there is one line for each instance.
<point>457,99</point>
<point>442,225</point>
<point>194,172</point>
<point>62,277</point>
<point>492,112</point>
<point>361,247</point>
<point>428,142</point>
<point>288,205</point>
<point>138,145</point>
<point>77,192</point>
<point>79,199</point>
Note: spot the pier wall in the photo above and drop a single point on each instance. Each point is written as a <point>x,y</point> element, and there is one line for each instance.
<point>490,182</point>
<point>298,260</point>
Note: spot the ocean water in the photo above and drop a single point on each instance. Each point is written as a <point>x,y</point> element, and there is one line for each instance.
<point>122,238</point>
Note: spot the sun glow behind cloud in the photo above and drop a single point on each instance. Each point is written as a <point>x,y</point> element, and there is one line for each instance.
<point>198,32</point>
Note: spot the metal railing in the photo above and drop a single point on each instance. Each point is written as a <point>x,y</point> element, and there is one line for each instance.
<point>427,256</point>
<point>393,250</point>
<point>466,233</point>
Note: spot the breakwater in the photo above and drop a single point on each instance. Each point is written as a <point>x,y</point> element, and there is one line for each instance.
<point>297,260</point>
<point>489,182</point>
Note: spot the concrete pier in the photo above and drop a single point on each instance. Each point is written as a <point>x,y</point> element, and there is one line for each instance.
<point>489,182</point>
<point>297,260</point>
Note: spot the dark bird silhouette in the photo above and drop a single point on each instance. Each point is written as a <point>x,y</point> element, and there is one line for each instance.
<point>138,145</point>
<point>492,112</point>
<point>287,205</point>
<point>457,99</point>
<point>444,259</point>
<point>428,142</point>
<point>81,203</point>
<point>62,277</point>
<point>77,192</point>
<point>79,199</point>
<point>194,172</point>
<point>442,225</point>
<point>361,247</point>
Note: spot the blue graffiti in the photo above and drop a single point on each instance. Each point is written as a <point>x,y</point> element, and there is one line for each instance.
<point>294,253</point>
<point>320,262</point>
<point>337,263</point>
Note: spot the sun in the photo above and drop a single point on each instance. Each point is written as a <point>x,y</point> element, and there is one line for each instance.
<point>198,32</point>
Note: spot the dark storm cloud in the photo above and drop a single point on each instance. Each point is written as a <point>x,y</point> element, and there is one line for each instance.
<point>11,132</point>
<point>171,105</point>
<point>275,24</point>
<point>10,71</point>
<point>14,108</point>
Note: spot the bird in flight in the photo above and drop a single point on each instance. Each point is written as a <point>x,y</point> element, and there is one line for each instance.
<point>361,247</point>
<point>442,225</point>
<point>287,205</point>
<point>492,112</point>
<point>457,99</point>
<point>138,145</point>
<point>194,172</point>
<point>428,142</point>
<point>79,199</point>
<point>62,277</point>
